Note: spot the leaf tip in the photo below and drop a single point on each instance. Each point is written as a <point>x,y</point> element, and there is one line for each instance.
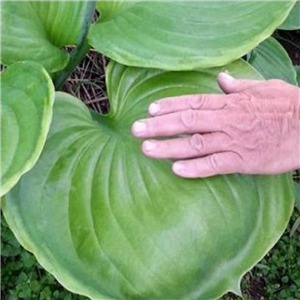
<point>236,289</point>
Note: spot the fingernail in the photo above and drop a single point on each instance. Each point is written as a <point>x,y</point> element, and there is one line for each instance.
<point>154,108</point>
<point>148,145</point>
<point>139,127</point>
<point>226,76</point>
<point>178,168</point>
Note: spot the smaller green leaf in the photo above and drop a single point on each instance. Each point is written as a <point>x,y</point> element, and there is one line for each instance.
<point>183,35</point>
<point>27,96</point>
<point>273,62</point>
<point>37,30</point>
<point>297,193</point>
<point>295,227</point>
<point>293,20</point>
<point>297,68</point>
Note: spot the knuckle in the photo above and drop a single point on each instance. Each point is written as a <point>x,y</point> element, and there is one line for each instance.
<point>246,102</point>
<point>196,101</point>
<point>225,140</point>
<point>197,143</point>
<point>214,163</point>
<point>187,118</point>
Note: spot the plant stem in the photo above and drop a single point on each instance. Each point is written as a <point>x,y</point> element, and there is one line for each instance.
<point>76,57</point>
<point>81,49</point>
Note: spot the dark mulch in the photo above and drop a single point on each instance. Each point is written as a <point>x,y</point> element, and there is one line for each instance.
<point>290,40</point>
<point>255,288</point>
<point>87,82</point>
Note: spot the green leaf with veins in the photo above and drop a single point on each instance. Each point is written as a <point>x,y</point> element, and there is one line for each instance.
<point>273,62</point>
<point>293,20</point>
<point>37,30</point>
<point>27,96</point>
<point>183,35</point>
<point>110,223</point>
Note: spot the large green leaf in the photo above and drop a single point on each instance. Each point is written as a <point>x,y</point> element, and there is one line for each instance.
<point>183,35</point>
<point>110,223</point>
<point>293,20</point>
<point>37,30</point>
<point>272,61</point>
<point>27,96</point>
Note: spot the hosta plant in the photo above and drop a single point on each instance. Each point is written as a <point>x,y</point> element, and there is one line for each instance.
<point>108,222</point>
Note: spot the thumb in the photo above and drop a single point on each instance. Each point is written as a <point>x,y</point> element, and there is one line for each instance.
<point>231,85</point>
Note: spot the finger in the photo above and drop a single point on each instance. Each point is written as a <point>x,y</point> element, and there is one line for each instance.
<point>211,165</point>
<point>201,101</point>
<point>229,84</point>
<point>194,146</point>
<point>187,121</point>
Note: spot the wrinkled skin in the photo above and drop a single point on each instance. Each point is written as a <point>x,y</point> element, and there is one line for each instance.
<point>253,128</point>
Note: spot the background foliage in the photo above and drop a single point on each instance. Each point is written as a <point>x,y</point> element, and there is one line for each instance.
<point>23,277</point>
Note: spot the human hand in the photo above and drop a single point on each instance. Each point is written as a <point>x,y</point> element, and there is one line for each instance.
<point>254,129</point>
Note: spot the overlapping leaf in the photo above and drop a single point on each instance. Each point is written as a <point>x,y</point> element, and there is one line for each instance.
<point>293,20</point>
<point>297,69</point>
<point>37,30</point>
<point>297,193</point>
<point>272,61</point>
<point>184,35</point>
<point>27,96</point>
<point>110,223</point>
